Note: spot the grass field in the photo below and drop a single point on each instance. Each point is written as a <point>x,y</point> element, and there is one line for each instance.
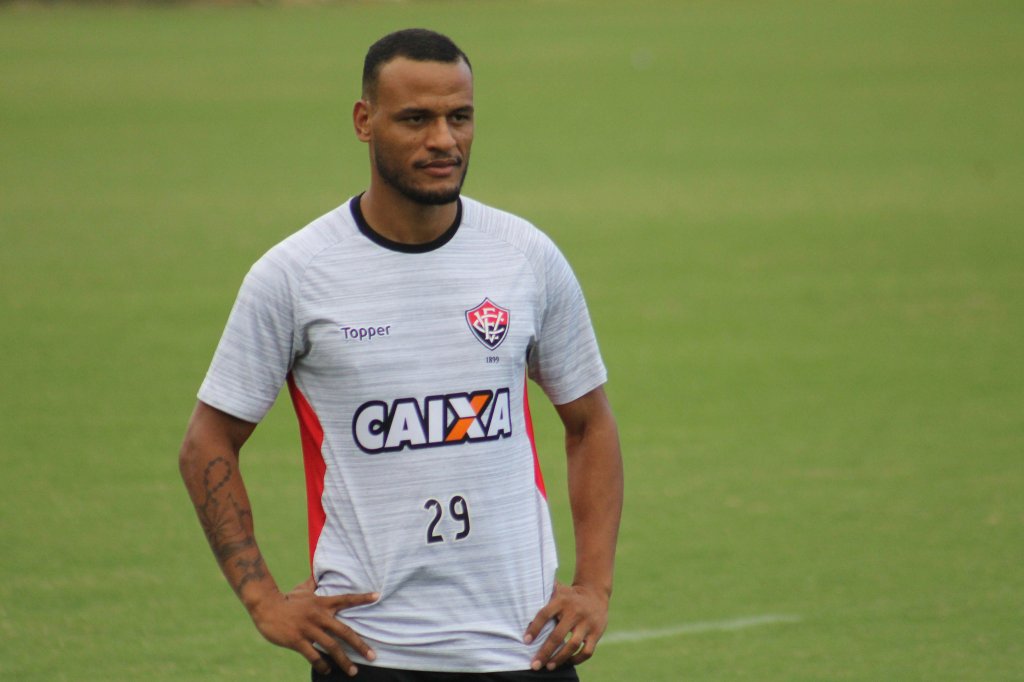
<point>797,227</point>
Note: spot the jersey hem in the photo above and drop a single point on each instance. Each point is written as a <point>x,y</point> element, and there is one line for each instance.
<point>566,397</point>
<point>231,410</point>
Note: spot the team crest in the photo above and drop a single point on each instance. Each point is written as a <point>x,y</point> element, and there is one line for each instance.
<point>489,323</point>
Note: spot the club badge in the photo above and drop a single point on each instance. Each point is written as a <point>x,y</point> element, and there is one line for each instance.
<point>489,323</point>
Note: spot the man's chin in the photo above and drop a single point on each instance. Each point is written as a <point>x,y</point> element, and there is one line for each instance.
<point>431,197</point>
<point>438,198</point>
<point>422,190</point>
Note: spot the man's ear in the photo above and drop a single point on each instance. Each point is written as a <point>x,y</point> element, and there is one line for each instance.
<point>361,120</point>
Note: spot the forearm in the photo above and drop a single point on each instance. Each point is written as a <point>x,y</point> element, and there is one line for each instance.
<point>595,480</point>
<point>595,495</point>
<point>209,468</point>
<point>298,620</point>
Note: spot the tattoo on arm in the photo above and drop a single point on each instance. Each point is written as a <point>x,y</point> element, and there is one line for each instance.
<point>253,572</point>
<point>228,527</point>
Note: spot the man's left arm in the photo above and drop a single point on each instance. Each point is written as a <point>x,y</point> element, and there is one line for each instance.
<point>595,496</point>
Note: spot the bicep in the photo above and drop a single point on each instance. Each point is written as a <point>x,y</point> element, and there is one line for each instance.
<point>589,413</point>
<point>211,431</point>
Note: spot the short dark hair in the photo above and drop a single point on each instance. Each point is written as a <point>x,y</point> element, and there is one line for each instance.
<point>418,44</point>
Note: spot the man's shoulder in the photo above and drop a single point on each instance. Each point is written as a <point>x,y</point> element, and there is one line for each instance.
<point>294,253</point>
<point>505,226</point>
<point>332,227</point>
<point>487,217</point>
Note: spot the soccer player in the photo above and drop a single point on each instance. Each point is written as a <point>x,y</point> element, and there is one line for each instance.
<point>405,324</point>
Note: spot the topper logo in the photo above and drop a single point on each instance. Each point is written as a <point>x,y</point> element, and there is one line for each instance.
<point>364,333</point>
<point>435,421</point>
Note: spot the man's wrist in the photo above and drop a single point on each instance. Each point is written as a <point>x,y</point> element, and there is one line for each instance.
<point>255,597</point>
<point>602,589</point>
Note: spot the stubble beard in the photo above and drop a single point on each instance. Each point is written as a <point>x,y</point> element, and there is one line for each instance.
<point>396,179</point>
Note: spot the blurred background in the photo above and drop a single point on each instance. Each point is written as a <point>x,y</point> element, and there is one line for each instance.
<point>797,228</point>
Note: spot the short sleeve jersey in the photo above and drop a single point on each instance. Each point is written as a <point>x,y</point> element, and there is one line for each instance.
<point>407,368</point>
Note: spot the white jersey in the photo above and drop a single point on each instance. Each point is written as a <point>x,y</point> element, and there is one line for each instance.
<point>407,368</point>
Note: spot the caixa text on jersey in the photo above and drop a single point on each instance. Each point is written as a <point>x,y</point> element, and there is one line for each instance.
<point>434,421</point>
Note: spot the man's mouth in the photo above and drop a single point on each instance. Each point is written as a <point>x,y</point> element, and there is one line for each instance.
<point>440,163</point>
<point>440,167</point>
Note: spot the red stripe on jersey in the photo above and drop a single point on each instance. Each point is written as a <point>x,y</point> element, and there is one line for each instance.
<point>312,434</point>
<point>538,475</point>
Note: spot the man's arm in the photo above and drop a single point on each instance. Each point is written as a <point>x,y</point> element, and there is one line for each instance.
<point>595,495</point>
<point>209,467</point>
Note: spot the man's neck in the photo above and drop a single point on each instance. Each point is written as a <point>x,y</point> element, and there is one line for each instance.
<point>401,220</point>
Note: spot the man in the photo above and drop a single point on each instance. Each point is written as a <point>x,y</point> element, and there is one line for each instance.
<point>405,323</point>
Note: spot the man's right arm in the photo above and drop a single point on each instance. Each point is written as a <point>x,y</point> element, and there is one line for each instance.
<point>297,620</point>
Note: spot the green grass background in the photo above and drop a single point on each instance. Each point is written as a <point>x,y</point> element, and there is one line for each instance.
<point>799,226</point>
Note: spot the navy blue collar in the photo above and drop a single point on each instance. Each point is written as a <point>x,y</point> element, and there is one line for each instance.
<point>381,240</point>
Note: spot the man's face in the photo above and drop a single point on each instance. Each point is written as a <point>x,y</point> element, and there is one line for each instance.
<point>419,126</point>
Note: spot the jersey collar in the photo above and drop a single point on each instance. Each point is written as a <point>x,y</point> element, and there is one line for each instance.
<point>381,240</point>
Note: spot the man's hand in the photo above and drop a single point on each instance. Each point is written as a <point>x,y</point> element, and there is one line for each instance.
<point>300,619</point>
<point>581,615</point>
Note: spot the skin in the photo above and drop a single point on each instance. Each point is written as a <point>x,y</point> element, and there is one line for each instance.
<point>595,496</point>
<point>418,126</point>
<point>209,466</point>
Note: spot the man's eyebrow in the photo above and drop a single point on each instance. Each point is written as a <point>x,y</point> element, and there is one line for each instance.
<point>425,111</point>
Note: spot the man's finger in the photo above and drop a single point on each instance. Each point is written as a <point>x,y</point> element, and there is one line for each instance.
<point>346,601</point>
<point>536,625</point>
<point>571,644</point>
<point>550,611</point>
<point>336,652</point>
<point>314,657</point>
<point>585,652</point>
<point>552,645</point>
<point>343,632</point>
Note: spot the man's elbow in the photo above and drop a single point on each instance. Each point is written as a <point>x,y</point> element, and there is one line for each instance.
<point>188,457</point>
<point>195,446</point>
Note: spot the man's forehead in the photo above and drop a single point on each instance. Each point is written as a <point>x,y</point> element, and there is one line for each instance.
<point>405,79</point>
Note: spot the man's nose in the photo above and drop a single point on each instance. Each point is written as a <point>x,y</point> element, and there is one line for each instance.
<point>440,135</point>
